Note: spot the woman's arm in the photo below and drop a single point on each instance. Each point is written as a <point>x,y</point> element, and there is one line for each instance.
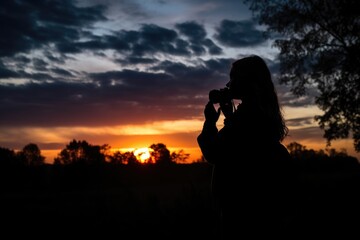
<point>207,141</point>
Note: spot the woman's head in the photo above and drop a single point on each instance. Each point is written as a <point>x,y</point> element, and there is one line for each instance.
<point>250,81</point>
<point>250,78</point>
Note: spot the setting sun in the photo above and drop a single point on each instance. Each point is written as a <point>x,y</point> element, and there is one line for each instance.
<point>142,154</point>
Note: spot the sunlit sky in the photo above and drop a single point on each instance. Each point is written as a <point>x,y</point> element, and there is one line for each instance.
<point>128,73</point>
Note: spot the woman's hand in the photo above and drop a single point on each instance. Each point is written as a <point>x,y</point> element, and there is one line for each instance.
<point>227,109</point>
<point>211,114</point>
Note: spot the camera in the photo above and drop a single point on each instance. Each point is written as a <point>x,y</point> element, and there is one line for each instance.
<point>220,95</point>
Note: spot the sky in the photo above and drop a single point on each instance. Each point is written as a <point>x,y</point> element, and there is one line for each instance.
<point>129,73</point>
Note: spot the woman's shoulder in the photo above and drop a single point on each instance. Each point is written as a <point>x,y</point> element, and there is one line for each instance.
<point>277,150</point>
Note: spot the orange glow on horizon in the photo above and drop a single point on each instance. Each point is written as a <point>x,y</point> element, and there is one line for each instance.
<point>195,153</point>
<point>176,135</point>
<point>142,154</point>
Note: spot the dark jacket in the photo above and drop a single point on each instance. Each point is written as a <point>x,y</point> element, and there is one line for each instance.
<point>253,174</point>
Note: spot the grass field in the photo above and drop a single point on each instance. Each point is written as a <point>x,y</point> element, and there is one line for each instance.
<point>158,203</point>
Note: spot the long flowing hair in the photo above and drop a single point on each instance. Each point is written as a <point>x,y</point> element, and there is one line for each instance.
<point>260,88</point>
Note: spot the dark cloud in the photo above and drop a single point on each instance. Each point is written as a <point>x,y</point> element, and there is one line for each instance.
<point>220,65</point>
<point>300,122</point>
<point>290,100</point>
<point>59,30</point>
<point>54,57</point>
<point>155,39</point>
<point>239,33</point>
<point>6,73</point>
<point>136,60</point>
<point>28,25</point>
<point>130,78</point>
<point>121,9</point>
<point>150,39</point>
<point>196,34</point>
<point>114,97</point>
<point>39,64</point>
<point>312,134</point>
<point>194,31</point>
<point>62,72</point>
<point>212,47</point>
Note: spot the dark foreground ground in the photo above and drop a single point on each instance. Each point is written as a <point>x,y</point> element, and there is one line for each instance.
<point>120,202</point>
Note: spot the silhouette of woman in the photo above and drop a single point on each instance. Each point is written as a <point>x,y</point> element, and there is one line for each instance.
<point>252,170</point>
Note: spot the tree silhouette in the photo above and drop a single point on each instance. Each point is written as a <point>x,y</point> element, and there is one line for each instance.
<point>7,157</point>
<point>130,158</point>
<point>81,152</point>
<point>117,158</point>
<point>319,47</point>
<point>320,158</point>
<point>31,155</point>
<point>179,156</point>
<point>160,155</point>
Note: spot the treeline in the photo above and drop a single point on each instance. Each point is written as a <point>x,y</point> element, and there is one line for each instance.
<point>330,159</point>
<point>81,165</point>
<point>81,152</point>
